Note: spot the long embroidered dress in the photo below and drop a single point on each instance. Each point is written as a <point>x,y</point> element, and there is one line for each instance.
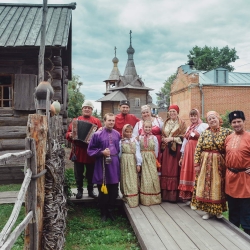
<point>187,175</point>
<point>130,157</point>
<point>170,175</point>
<point>150,192</point>
<point>209,190</point>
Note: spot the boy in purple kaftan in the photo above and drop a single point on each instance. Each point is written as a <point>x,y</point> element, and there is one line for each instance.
<point>106,143</point>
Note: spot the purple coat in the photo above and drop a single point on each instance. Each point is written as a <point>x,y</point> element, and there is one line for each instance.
<point>99,141</point>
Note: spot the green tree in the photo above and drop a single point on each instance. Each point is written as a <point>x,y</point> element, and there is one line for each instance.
<point>76,98</point>
<point>95,114</point>
<point>209,58</point>
<point>226,123</point>
<point>164,94</point>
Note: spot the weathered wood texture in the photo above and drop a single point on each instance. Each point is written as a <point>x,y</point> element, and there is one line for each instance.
<point>8,197</point>
<point>37,129</point>
<point>11,174</point>
<point>12,132</point>
<point>42,42</point>
<point>24,87</point>
<point>16,210</point>
<point>176,226</point>
<point>13,120</point>
<point>11,144</point>
<point>56,84</point>
<point>10,157</point>
<point>31,231</point>
<point>18,230</point>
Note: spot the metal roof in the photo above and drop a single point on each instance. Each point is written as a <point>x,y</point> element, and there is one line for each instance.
<point>114,96</point>
<point>234,78</point>
<point>20,24</point>
<point>129,86</point>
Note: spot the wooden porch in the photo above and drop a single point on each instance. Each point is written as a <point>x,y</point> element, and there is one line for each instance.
<point>176,226</point>
<point>173,226</point>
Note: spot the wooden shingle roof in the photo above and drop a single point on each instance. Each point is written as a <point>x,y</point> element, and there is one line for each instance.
<point>20,24</point>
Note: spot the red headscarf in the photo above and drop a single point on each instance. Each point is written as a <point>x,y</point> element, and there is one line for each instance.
<point>174,107</point>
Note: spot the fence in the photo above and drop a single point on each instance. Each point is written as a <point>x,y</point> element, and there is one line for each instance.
<point>45,202</point>
<point>8,239</point>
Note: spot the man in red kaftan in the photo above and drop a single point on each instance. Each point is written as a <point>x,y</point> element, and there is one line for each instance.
<point>238,172</point>
<point>79,153</point>
<point>124,117</point>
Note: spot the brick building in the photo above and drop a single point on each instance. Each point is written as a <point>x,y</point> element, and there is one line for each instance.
<point>218,90</point>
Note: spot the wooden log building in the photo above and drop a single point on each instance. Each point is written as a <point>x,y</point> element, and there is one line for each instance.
<point>20,31</point>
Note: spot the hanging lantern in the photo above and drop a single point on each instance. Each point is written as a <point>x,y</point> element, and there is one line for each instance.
<point>41,94</point>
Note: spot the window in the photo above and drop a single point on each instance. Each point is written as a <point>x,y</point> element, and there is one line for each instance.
<point>6,90</point>
<point>137,102</point>
<point>221,76</point>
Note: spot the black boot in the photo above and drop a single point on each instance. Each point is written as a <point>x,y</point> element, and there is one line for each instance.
<point>79,194</point>
<point>247,231</point>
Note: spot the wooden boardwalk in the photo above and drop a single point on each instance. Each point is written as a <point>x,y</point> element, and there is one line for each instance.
<point>173,226</point>
<point>176,226</point>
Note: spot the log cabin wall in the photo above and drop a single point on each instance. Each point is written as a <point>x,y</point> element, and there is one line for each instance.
<point>22,68</point>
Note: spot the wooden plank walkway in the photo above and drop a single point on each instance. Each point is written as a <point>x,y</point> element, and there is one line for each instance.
<point>176,226</point>
<point>172,226</point>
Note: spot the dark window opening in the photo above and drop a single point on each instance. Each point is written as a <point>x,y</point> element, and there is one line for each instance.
<point>6,91</point>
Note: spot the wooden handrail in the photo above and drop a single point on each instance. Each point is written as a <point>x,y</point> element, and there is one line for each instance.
<point>13,156</point>
<point>18,230</point>
<point>16,210</point>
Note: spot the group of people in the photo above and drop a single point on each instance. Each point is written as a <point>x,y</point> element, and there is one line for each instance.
<point>204,165</point>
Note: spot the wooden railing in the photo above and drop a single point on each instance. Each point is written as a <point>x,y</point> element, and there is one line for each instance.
<point>7,239</point>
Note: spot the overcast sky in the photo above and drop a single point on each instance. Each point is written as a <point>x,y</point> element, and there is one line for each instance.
<point>163,32</point>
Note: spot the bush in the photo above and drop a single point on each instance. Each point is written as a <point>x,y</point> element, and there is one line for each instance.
<point>69,181</point>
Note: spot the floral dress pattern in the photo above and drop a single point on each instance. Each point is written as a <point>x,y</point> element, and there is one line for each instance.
<point>129,176</point>
<point>209,190</point>
<point>150,192</point>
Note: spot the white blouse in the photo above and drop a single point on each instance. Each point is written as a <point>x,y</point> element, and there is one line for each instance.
<point>156,122</point>
<point>137,151</point>
<point>200,128</point>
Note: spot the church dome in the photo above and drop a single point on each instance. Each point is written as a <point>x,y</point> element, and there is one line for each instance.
<point>130,50</point>
<point>115,60</point>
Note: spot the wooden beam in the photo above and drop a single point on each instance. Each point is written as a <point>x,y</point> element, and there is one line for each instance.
<point>42,44</point>
<point>31,231</point>
<point>37,129</point>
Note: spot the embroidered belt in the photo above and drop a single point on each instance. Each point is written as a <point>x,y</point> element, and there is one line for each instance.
<point>114,155</point>
<point>212,151</point>
<point>237,170</point>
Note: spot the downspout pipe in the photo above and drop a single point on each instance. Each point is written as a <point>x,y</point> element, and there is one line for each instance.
<point>202,101</point>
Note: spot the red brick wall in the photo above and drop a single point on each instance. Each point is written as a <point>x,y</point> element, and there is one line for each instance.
<point>185,92</point>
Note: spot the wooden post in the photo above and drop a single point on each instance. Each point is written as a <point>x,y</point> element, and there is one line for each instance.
<point>42,43</point>
<point>37,129</point>
<point>31,232</point>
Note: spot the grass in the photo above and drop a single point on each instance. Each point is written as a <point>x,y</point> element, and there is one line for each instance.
<point>85,230</point>
<point>10,187</point>
<point>84,227</point>
<point>5,212</point>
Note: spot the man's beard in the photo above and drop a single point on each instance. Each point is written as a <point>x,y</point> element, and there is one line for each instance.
<point>86,116</point>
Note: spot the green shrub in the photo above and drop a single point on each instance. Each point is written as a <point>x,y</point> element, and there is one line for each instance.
<point>69,182</point>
